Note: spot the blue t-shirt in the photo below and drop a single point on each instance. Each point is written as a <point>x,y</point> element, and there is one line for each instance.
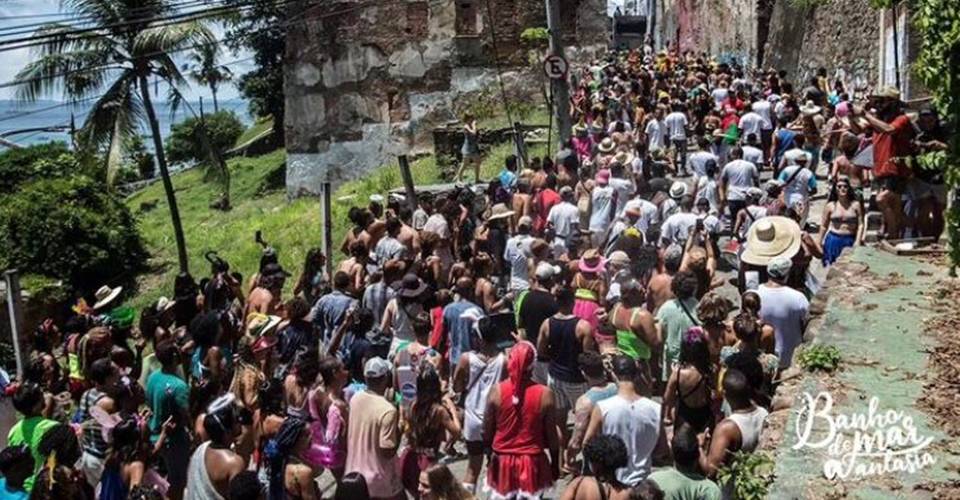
<point>167,395</point>
<point>6,493</point>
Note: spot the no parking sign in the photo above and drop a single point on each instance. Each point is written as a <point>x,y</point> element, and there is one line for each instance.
<point>555,67</point>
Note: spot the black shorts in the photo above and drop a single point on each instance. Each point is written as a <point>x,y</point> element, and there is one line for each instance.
<point>894,183</point>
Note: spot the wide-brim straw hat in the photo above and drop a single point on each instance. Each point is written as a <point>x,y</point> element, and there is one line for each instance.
<point>607,145</point>
<point>886,92</point>
<point>809,108</point>
<point>500,211</point>
<point>770,237</point>
<point>105,295</point>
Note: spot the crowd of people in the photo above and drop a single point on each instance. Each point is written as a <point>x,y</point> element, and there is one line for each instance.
<point>570,320</point>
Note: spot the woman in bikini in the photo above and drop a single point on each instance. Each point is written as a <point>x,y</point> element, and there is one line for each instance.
<point>604,454</point>
<point>842,225</point>
<point>689,387</point>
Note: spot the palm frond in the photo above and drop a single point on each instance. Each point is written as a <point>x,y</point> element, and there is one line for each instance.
<point>83,72</point>
<point>166,39</point>
<point>114,157</point>
<point>119,109</point>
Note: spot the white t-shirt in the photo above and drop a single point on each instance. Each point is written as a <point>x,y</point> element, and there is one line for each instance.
<point>751,123</point>
<point>437,224</point>
<point>753,155</point>
<point>786,310</point>
<point>676,124</point>
<point>764,109</point>
<point>516,254</point>
<point>624,189</point>
<point>676,229</point>
<point>648,213</point>
<point>719,95</point>
<point>739,175</point>
<point>800,187</point>
<point>707,188</point>
<point>637,423</point>
<point>563,217</point>
<point>655,135</point>
<point>697,162</point>
<point>601,206</point>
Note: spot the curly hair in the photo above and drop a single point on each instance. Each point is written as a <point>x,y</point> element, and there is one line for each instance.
<point>713,308</point>
<point>684,285</point>
<point>606,453</point>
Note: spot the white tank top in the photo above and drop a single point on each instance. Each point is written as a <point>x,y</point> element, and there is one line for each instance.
<point>483,374</point>
<point>750,425</point>
<point>637,423</point>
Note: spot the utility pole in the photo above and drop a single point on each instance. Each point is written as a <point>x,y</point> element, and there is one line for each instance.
<point>558,86</point>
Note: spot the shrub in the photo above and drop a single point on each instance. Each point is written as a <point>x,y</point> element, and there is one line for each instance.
<point>69,228</point>
<point>750,475</point>
<point>819,357</point>
<point>185,143</point>
<point>18,166</point>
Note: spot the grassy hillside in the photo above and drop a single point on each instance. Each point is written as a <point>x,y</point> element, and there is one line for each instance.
<point>259,202</point>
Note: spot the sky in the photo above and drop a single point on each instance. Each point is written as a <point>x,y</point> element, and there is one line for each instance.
<point>14,61</point>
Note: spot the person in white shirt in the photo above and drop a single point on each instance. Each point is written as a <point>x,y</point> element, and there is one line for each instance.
<point>656,135</point>
<point>752,152</point>
<point>750,123</point>
<point>784,308</point>
<point>676,124</point>
<point>697,161</point>
<point>622,185</point>
<point>736,177</point>
<point>799,183</point>
<point>517,254</point>
<point>720,94</point>
<point>676,229</point>
<point>647,213</point>
<point>763,108</point>
<point>564,217</point>
<point>707,188</point>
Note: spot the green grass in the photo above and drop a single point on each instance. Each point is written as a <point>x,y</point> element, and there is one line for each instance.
<point>258,127</point>
<point>538,116</point>
<point>291,227</point>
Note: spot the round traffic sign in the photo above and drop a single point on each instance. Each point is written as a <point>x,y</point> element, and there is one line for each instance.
<point>555,67</point>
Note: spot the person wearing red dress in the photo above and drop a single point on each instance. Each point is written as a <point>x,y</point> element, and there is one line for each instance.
<point>520,424</point>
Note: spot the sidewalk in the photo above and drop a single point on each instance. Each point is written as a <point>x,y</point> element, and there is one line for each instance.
<point>875,311</point>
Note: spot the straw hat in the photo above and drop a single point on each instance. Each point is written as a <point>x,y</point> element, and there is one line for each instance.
<point>261,324</point>
<point>105,295</point>
<point>678,190</point>
<point>624,158</point>
<point>886,92</point>
<point>809,108</point>
<point>500,211</point>
<point>606,145</point>
<point>770,237</point>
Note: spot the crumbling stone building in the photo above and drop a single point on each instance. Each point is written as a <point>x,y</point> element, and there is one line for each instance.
<point>367,80</point>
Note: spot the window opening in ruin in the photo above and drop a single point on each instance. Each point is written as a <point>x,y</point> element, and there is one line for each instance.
<point>466,18</point>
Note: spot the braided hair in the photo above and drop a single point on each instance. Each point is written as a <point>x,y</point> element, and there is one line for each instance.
<point>278,451</point>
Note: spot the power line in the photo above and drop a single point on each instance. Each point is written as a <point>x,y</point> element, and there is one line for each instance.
<point>88,18</point>
<point>196,46</point>
<point>145,23</point>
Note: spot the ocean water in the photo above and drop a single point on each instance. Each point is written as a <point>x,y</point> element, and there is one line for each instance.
<point>16,115</point>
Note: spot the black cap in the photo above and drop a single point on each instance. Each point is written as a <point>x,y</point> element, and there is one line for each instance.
<point>274,270</point>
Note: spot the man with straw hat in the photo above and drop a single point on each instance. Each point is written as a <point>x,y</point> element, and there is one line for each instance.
<point>767,238</point>
<point>893,134</point>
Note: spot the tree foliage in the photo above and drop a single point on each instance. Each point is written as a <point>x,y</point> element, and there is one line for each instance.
<point>261,28</point>
<point>69,228</point>
<point>204,69</point>
<point>185,145</point>
<point>18,166</point>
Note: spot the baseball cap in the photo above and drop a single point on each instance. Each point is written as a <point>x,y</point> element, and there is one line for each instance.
<point>566,191</point>
<point>546,271</point>
<point>274,270</point>
<point>779,267</point>
<point>525,221</point>
<point>619,257</point>
<point>376,368</point>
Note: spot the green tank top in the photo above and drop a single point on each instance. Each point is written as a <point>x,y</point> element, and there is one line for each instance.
<point>629,344</point>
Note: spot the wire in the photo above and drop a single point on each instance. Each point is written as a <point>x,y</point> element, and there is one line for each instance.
<point>191,47</point>
<point>183,17</point>
<point>88,18</point>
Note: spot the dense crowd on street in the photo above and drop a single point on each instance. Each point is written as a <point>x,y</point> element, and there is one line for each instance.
<point>608,322</point>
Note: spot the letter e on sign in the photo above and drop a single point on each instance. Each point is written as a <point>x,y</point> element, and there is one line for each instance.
<point>555,67</point>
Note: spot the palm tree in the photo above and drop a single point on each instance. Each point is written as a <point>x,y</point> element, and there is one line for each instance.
<point>133,46</point>
<point>204,70</point>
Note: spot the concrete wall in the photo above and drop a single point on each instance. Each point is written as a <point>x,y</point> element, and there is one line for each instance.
<point>840,35</point>
<point>368,81</point>
<point>724,28</point>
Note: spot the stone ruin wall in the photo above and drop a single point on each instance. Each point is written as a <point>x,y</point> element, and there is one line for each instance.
<point>842,36</point>
<point>369,81</point>
<point>724,28</point>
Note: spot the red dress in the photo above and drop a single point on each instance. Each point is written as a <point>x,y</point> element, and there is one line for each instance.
<point>519,462</point>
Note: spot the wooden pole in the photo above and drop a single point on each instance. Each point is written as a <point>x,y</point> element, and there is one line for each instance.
<point>327,218</point>
<point>407,177</point>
